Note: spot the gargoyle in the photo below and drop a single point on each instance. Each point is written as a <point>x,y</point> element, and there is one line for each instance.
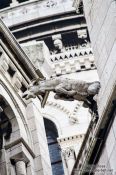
<point>65,89</point>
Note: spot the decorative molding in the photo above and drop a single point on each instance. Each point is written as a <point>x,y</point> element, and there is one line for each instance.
<point>20,140</point>
<point>73,116</point>
<point>68,153</point>
<point>58,106</point>
<point>17,81</point>
<point>11,72</point>
<point>74,53</point>
<point>51,4</point>
<point>70,138</point>
<point>73,61</point>
<point>13,62</point>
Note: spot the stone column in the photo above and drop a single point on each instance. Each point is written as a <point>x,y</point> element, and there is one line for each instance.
<point>20,167</point>
<point>69,157</point>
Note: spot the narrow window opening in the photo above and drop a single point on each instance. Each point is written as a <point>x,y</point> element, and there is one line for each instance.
<point>54,150</point>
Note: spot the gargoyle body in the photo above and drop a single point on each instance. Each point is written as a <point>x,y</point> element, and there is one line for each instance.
<point>65,89</point>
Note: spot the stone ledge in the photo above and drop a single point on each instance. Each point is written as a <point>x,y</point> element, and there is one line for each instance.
<point>20,140</point>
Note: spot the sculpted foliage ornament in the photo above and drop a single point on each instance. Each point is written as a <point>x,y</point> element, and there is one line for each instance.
<point>65,89</point>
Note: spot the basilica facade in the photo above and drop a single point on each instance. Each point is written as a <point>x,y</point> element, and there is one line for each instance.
<point>45,39</point>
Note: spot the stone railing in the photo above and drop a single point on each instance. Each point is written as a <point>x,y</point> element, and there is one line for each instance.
<point>33,9</point>
<point>73,61</point>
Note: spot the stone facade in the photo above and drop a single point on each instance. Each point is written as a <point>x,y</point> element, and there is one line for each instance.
<point>101,21</point>
<point>101,24</point>
<point>21,153</point>
<point>37,25</point>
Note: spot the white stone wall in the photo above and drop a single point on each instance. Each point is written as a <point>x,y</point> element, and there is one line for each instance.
<point>36,125</point>
<point>108,157</point>
<point>26,151</point>
<point>101,21</point>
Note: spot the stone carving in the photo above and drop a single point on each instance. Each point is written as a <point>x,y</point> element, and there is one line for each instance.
<point>58,45</point>
<point>68,153</point>
<point>82,35</point>
<point>51,3</point>
<point>69,158</point>
<point>57,41</point>
<point>65,89</point>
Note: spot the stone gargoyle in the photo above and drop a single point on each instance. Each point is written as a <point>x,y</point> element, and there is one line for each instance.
<point>65,89</point>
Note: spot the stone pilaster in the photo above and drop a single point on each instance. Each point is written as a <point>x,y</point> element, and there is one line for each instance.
<point>36,125</point>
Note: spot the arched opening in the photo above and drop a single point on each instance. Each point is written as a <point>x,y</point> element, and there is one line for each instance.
<point>8,122</point>
<point>14,131</point>
<point>54,151</point>
<point>5,124</point>
<point>9,132</point>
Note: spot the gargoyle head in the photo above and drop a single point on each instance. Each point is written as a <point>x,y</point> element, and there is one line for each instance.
<point>34,89</point>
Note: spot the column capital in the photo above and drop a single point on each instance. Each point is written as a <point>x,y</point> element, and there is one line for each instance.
<point>20,159</point>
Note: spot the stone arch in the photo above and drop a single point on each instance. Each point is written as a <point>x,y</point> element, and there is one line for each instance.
<point>15,115</point>
<point>59,115</point>
<point>54,120</point>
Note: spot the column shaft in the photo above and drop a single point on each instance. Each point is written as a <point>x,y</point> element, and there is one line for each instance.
<point>20,168</point>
